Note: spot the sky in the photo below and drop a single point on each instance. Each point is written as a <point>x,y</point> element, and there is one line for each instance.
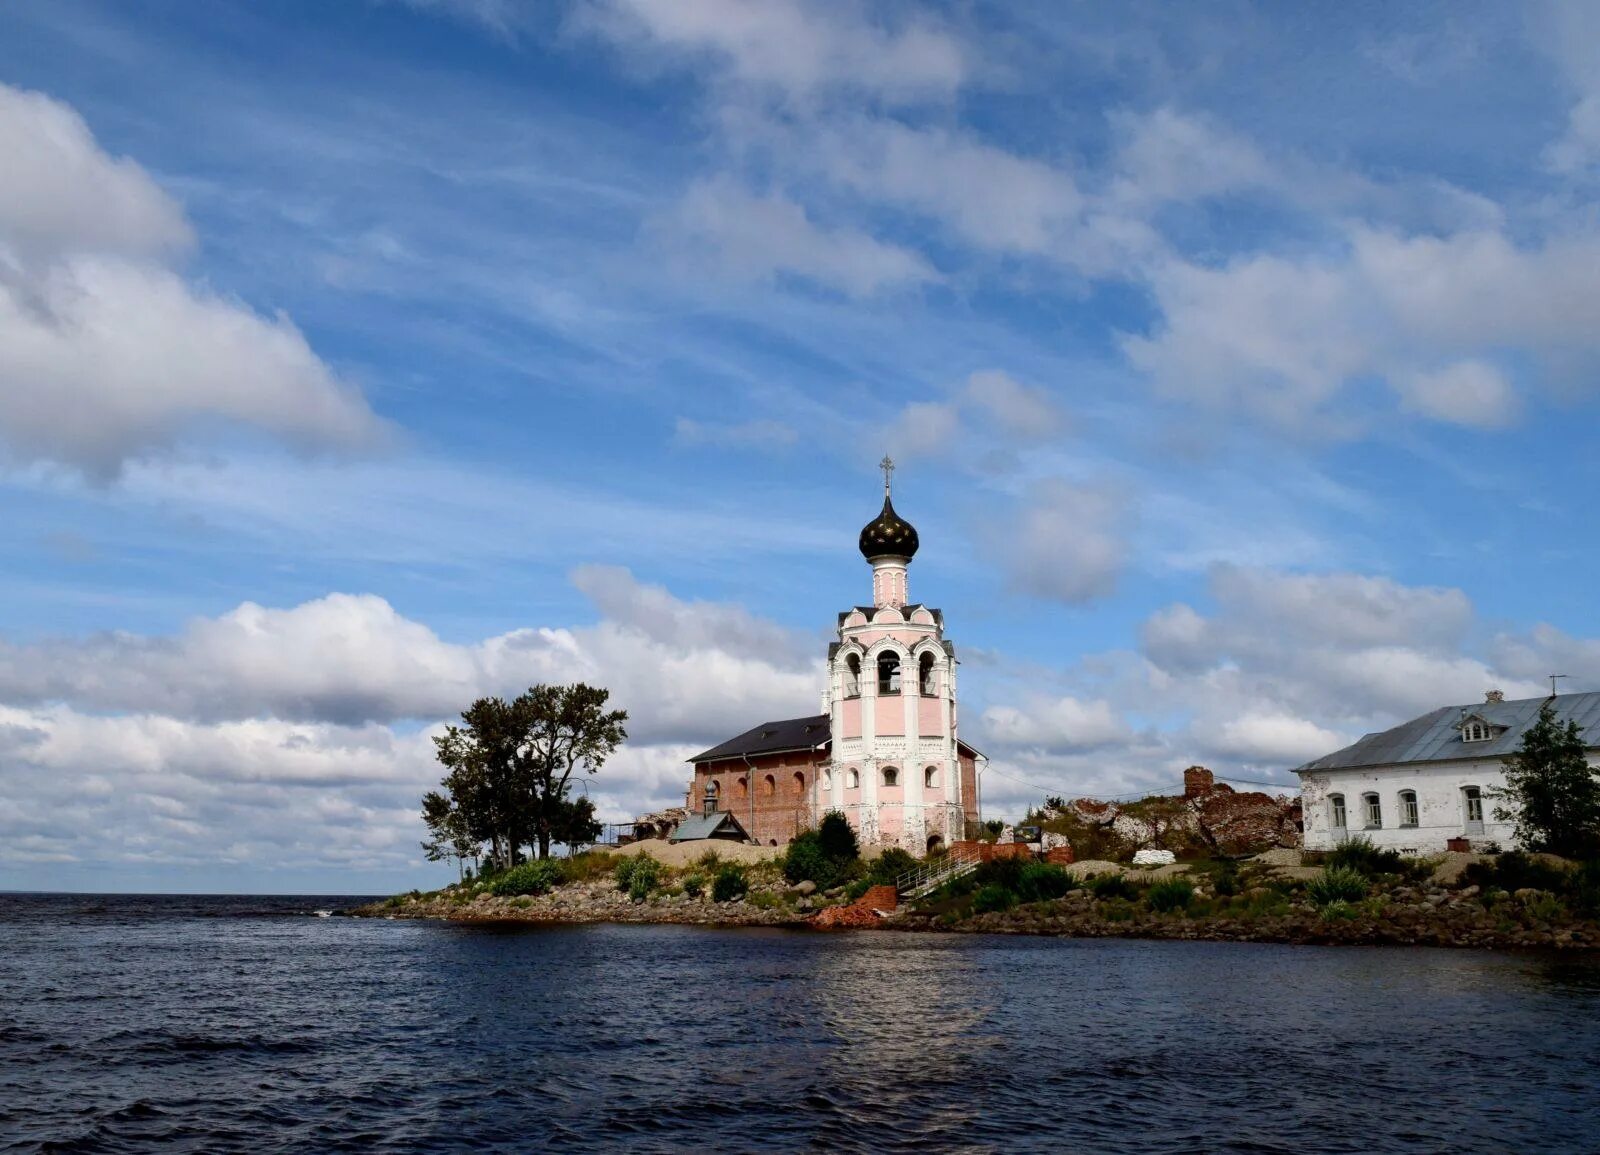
<point>359,358</point>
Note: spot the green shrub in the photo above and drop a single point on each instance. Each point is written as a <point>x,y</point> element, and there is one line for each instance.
<point>1337,884</point>
<point>1106,886</point>
<point>807,859</point>
<point>1337,911</point>
<point>1169,894</point>
<point>1545,907</point>
<point>710,860</point>
<point>1040,882</point>
<point>729,884</point>
<point>993,897</point>
<point>887,868</point>
<point>1225,880</point>
<point>838,837</point>
<point>396,900</point>
<point>646,876</point>
<point>1583,887</point>
<point>1360,855</point>
<point>588,865</point>
<point>856,889</point>
<point>1117,910</point>
<point>1006,872</point>
<point>637,875</point>
<point>694,885</point>
<point>537,877</point>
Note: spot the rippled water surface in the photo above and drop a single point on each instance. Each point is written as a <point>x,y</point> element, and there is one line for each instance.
<point>217,1025</point>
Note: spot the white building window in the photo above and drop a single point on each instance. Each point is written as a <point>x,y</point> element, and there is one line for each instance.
<point>1373,811</point>
<point>1472,801</point>
<point>1474,731</point>
<point>930,777</point>
<point>1408,808</point>
<point>1336,811</point>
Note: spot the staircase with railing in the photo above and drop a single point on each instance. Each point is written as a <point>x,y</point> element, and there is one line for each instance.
<point>934,873</point>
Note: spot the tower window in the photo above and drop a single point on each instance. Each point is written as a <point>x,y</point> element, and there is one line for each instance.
<point>925,676</point>
<point>891,776</point>
<point>889,673</point>
<point>852,780</point>
<point>930,777</point>
<point>852,676</point>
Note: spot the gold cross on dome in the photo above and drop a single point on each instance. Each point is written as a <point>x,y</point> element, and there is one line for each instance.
<point>887,465</point>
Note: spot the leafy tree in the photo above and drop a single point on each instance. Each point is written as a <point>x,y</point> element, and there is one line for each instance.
<point>1553,798</point>
<point>452,837</point>
<point>511,766</point>
<point>837,837</point>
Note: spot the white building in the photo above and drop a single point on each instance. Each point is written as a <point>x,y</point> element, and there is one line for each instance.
<point>1415,787</point>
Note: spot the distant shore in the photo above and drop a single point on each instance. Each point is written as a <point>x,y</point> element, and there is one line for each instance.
<point>1444,908</point>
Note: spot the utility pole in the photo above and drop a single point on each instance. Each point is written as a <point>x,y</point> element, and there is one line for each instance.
<point>1553,678</point>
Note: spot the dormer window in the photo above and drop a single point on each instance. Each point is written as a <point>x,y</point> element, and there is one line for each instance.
<point>1474,731</point>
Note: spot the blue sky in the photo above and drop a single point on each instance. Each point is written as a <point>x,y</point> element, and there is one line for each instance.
<point>357,358</point>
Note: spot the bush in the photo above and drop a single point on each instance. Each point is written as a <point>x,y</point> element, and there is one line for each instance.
<point>1169,894</point>
<point>637,875</point>
<point>806,859</point>
<point>1583,886</point>
<point>1360,855</point>
<point>729,884</point>
<point>694,885</point>
<point>993,897</point>
<point>856,889</point>
<point>889,866</point>
<point>1040,882</point>
<point>590,864</point>
<point>536,877</point>
<point>710,860</point>
<point>1006,872</point>
<point>1545,907</point>
<point>1225,881</point>
<point>838,838</point>
<point>1337,884</point>
<point>1108,886</point>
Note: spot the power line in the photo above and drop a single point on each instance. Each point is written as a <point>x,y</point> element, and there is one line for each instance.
<point>1049,790</point>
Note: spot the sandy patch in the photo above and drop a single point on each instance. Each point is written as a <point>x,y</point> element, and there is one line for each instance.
<point>688,853</point>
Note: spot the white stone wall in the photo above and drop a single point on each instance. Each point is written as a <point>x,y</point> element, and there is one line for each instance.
<point>1441,804</point>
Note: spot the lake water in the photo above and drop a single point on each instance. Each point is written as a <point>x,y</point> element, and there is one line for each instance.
<point>224,1024</point>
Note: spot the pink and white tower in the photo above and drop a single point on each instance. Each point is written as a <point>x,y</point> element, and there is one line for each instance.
<point>897,768</point>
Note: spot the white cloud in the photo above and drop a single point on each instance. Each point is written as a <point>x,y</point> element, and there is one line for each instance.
<point>1057,724</point>
<point>58,190</point>
<point>1288,339</point>
<point>105,354</point>
<point>1067,542</point>
<point>795,47</point>
<point>1023,412</point>
<point>266,736</point>
<point>756,237</point>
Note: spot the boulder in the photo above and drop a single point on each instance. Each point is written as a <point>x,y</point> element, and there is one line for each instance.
<point>804,889</point>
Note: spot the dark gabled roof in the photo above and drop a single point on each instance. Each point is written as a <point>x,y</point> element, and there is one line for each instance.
<point>1436,737</point>
<point>772,738</point>
<point>707,826</point>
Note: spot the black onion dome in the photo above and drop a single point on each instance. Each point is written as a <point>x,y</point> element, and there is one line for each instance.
<point>888,534</point>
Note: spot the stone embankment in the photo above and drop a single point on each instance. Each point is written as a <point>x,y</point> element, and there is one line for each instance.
<point>599,900</point>
<point>1428,916</point>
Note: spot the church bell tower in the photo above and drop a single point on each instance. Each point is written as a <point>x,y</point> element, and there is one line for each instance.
<point>897,769</point>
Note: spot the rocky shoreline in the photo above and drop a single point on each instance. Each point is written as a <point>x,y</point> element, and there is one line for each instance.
<point>1429,914</point>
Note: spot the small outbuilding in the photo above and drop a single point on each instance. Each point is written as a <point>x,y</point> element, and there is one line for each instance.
<point>721,824</point>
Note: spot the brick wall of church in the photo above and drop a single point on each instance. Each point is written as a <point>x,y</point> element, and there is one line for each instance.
<point>782,804</point>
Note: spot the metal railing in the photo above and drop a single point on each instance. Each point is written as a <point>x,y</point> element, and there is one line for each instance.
<point>930,876</point>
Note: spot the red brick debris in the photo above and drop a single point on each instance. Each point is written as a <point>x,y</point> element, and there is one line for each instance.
<point>860,913</point>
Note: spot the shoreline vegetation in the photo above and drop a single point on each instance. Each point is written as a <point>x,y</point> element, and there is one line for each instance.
<point>1355,894</point>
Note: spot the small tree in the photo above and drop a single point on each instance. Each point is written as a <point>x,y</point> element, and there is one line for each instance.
<point>1551,796</point>
<point>837,837</point>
